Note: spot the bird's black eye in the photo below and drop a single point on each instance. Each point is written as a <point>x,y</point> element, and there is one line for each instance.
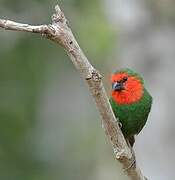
<point>125,79</point>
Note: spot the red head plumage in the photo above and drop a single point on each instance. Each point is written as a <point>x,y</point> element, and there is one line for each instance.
<point>127,87</point>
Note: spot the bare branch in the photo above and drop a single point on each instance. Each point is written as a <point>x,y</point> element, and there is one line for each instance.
<point>11,25</point>
<point>60,33</point>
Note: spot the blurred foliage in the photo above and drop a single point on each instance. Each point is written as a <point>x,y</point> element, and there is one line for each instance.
<point>28,64</point>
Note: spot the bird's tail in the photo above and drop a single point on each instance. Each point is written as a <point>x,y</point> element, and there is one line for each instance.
<point>131,140</point>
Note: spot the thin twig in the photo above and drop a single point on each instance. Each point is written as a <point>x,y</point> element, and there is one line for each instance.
<point>60,33</point>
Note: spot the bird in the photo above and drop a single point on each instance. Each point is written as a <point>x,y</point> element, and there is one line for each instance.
<point>130,101</point>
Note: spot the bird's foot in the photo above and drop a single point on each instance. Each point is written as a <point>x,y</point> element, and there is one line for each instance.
<point>118,123</point>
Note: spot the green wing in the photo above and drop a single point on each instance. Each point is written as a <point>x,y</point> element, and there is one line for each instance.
<point>133,116</point>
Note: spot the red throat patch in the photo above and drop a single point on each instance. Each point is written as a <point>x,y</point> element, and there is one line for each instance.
<point>133,89</point>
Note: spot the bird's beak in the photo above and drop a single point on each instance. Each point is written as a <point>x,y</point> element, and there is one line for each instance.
<point>117,86</point>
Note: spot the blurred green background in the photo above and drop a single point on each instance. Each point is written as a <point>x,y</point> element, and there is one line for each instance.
<point>49,126</point>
